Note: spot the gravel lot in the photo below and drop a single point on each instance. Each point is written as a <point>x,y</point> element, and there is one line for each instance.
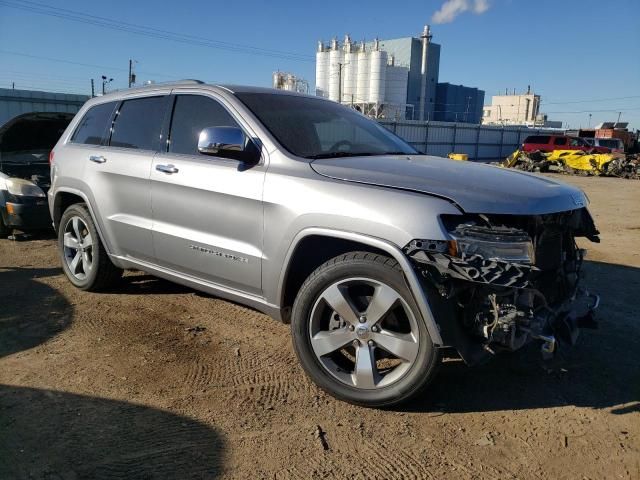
<point>158,381</point>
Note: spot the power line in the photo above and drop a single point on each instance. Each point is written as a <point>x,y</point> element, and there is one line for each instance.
<point>88,65</point>
<point>592,100</point>
<point>626,109</point>
<point>143,30</point>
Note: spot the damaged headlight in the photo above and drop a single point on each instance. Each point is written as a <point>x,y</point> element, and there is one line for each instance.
<point>492,243</point>
<point>23,188</point>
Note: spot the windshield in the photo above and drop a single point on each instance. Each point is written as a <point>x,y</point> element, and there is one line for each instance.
<point>316,128</point>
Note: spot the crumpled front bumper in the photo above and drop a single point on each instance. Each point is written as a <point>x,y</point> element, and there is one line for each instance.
<point>28,215</point>
<point>551,325</point>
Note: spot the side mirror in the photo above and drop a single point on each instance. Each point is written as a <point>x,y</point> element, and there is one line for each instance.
<point>228,142</point>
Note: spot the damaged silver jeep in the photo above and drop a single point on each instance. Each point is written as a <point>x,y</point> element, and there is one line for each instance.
<point>380,257</point>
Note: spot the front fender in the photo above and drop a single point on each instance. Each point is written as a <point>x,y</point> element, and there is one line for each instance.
<point>392,250</point>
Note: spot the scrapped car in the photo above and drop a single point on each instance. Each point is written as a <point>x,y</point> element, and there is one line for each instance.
<point>549,143</point>
<point>379,257</point>
<point>616,145</point>
<point>25,144</point>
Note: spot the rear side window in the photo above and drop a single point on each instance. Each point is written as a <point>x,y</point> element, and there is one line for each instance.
<point>138,122</point>
<point>191,114</point>
<point>609,143</point>
<point>559,141</point>
<point>537,139</point>
<point>92,129</point>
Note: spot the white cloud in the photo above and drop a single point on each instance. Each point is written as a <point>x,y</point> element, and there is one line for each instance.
<point>450,9</point>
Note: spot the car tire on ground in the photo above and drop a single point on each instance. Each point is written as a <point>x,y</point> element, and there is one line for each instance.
<point>359,334</point>
<point>4,230</point>
<point>84,259</point>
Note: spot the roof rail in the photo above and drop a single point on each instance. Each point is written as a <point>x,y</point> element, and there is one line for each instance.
<point>175,82</point>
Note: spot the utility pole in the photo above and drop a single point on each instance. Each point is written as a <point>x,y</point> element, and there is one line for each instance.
<point>619,113</point>
<point>589,120</point>
<point>132,75</point>
<point>93,90</point>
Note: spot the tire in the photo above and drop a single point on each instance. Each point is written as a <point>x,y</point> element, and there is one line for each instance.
<point>4,230</point>
<point>86,264</point>
<point>393,358</point>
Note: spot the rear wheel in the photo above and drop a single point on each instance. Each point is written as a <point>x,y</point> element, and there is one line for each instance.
<point>84,260</point>
<point>359,334</point>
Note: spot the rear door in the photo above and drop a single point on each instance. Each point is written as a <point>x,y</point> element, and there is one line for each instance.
<point>118,175</point>
<point>207,210</point>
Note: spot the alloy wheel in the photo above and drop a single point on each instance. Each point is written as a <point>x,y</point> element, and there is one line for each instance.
<point>363,333</point>
<point>78,248</point>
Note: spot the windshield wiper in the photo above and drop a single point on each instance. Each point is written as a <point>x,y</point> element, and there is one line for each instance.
<point>341,154</point>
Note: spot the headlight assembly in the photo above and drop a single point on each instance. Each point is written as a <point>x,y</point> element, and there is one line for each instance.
<point>23,188</point>
<point>495,243</point>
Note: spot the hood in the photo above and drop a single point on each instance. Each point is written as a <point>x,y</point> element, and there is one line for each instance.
<point>474,187</point>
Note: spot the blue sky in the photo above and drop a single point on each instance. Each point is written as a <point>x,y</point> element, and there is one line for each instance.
<point>586,52</point>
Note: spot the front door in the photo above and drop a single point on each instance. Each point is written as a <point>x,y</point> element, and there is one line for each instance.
<point>207,210</point>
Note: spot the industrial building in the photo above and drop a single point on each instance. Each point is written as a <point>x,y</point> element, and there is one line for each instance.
<point>512,109</point>
<point>385,78</point>
<point>290,82</point>
<point>15,102</point>
<point>457,103</point>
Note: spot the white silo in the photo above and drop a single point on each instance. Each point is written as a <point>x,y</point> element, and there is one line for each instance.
<point>322,71</point>
<point>377,73</point>
<point>336,59</point>
<point>362,75</point>
<point>349,72</point>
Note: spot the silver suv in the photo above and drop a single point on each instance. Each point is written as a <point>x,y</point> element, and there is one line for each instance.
<point>381,258</point>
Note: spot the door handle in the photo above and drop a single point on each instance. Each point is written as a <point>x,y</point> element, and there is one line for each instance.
<point>97,158</point>
<point>167,168</point>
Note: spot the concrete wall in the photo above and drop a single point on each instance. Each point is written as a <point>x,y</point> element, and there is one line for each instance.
<point>16,102</point>
<point>480,142</point>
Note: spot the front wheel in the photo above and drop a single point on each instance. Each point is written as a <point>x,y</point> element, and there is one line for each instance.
<point>359,334</point>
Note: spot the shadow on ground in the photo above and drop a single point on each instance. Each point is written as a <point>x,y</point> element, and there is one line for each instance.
<point>139,283</point>
<point>31,312</point>
<point>601,371</point>
<point>55,435</point>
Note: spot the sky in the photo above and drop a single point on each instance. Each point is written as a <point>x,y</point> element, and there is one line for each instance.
<point>581,56</point>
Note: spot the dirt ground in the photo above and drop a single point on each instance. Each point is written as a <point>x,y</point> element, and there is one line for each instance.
<point>158,381</point>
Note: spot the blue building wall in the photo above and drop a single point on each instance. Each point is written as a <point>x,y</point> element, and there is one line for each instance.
<point>457,103</point>
<point>15,102</point>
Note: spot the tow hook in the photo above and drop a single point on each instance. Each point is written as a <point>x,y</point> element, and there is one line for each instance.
<point>548,347</point>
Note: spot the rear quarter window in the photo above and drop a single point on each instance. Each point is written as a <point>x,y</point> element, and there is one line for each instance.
<point>92,129</point>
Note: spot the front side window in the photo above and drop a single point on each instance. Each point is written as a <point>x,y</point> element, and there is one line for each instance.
<point>92,129</point>
<point>560,141</point>
<point>138,122</point>
<point>191,114</point>
<point>314,128</point>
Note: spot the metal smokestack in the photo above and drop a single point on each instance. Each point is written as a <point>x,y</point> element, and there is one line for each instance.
<point>426,39</point>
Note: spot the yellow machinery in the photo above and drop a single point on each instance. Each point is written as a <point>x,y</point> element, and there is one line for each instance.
<point>458,156</point>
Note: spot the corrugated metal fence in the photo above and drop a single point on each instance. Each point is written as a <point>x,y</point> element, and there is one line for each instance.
<point>480,142</point>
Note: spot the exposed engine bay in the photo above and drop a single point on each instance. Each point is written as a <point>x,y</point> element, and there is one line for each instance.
<point>509,279</point>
